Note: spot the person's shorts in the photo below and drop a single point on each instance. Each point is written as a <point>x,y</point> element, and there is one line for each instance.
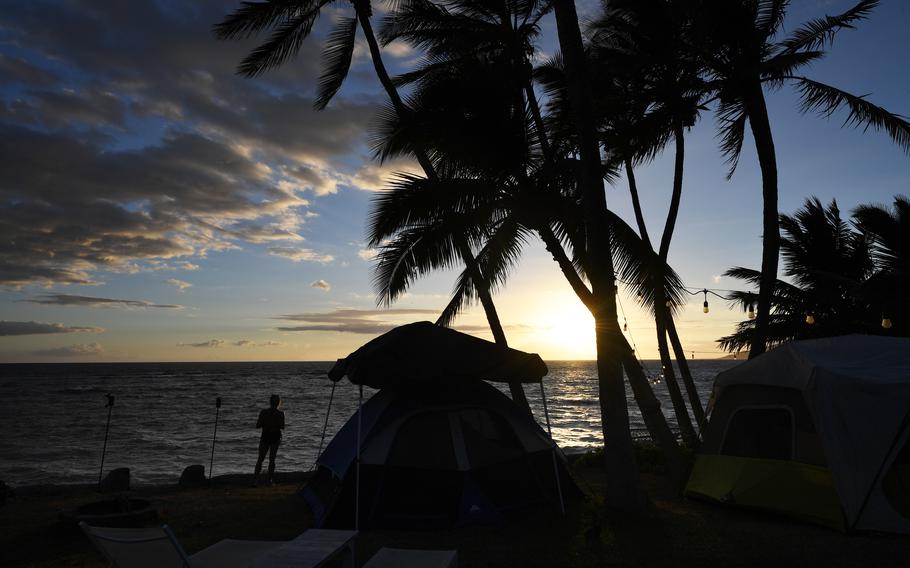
<point>268,444</point>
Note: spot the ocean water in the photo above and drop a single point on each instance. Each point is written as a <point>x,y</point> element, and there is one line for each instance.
<point>52,417</point>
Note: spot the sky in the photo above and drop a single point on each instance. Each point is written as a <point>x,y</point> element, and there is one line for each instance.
<point>155,206</point>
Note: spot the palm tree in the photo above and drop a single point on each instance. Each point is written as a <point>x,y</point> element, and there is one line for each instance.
<point>290,22</point>
<point>738,47</point>
<point>467,118</point>
<point>652,76</point>
<point>888,230</point>
<point>832,271</point>
<point>623,490</point>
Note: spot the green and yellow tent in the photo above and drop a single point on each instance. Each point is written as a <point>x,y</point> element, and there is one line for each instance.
<point>818,430</point>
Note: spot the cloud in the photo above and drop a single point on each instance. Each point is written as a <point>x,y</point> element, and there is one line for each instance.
<point>75,350</point>
<point>249,343</point>
<point>321,284</point>
<point>8,328</point>
<point>350,320</point>
<point>716,278</point>
<point>297,254</point>
<point>367,253</point>
<point>57,109</point>
<point>211,343</point>
<point>18,70</point>
<point>161,153</point>
<point>161,266</point>
<point>179,284</point>
<point>398,49</point>
<point>93,302</point>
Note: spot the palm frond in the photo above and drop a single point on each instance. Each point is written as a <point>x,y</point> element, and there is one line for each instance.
<point>413,200</point>
<point>640,267</point>
<point>731,118</point>
<point>496,259</point>
<point>411,254</point>
<point>336,60</point>
<point>282,45</point>
<point>778,68</point>
<point>826,100</point>
<point>770,16</point>
<point>463,296</point>
<point>254,17</point>
<point>818,33</point>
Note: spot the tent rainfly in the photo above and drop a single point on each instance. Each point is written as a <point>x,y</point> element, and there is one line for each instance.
<point>816,429</point>
<point>437,430</point>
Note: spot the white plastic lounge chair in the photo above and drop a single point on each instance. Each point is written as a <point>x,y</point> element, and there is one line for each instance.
<point>405,558</point>
<point>312,549</point>
<point>159,548</point>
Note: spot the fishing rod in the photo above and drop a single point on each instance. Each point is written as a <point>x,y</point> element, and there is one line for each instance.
<point>110,408</point>
<point>214,434</point>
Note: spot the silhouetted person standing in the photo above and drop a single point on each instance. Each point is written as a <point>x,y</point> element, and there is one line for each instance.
<point>271,422</point>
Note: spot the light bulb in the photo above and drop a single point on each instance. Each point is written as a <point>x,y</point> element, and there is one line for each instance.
<point>705,307</point>
<point>886,323</point>
<point>810,319</point>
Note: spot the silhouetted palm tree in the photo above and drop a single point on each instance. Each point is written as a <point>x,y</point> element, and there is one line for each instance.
<point>290,23</point>
<point>835,277</point>
<point>653,92</point>
<point>470,113</point>
<point>623,489</point>
<point>738,46</point>
<point>888,231</point>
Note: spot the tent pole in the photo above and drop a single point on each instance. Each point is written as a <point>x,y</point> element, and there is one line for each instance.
<point>546,413</point>
<point>357,480</point>
<point>325,426</point>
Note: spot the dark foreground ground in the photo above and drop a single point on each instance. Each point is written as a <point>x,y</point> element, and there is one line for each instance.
<point>676,532</point>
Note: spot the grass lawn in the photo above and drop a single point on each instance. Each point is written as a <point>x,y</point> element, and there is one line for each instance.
<point>675,532</point>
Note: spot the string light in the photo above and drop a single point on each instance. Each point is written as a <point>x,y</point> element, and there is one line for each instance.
<point>749,301</point>
<point>641,363</point>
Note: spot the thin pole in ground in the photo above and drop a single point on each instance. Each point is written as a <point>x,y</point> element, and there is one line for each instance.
<point>214,434</point>
<point>107,429</point>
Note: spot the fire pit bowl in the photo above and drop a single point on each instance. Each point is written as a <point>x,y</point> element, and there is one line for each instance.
<point>118,512</point>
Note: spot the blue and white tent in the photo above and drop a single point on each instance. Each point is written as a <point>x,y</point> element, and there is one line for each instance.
<point>436,446</point>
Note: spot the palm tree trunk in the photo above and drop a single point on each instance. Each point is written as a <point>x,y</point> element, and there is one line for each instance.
<point>679,404</point>
<point>654,418</point>
<point>767,160</point>
<point>694,401</point>
<point>676,196</point>
<point>623,491</point>
<point>467,256</point>
<point>665,317</point>
<point>636,204</point>
<point>663,320</point>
